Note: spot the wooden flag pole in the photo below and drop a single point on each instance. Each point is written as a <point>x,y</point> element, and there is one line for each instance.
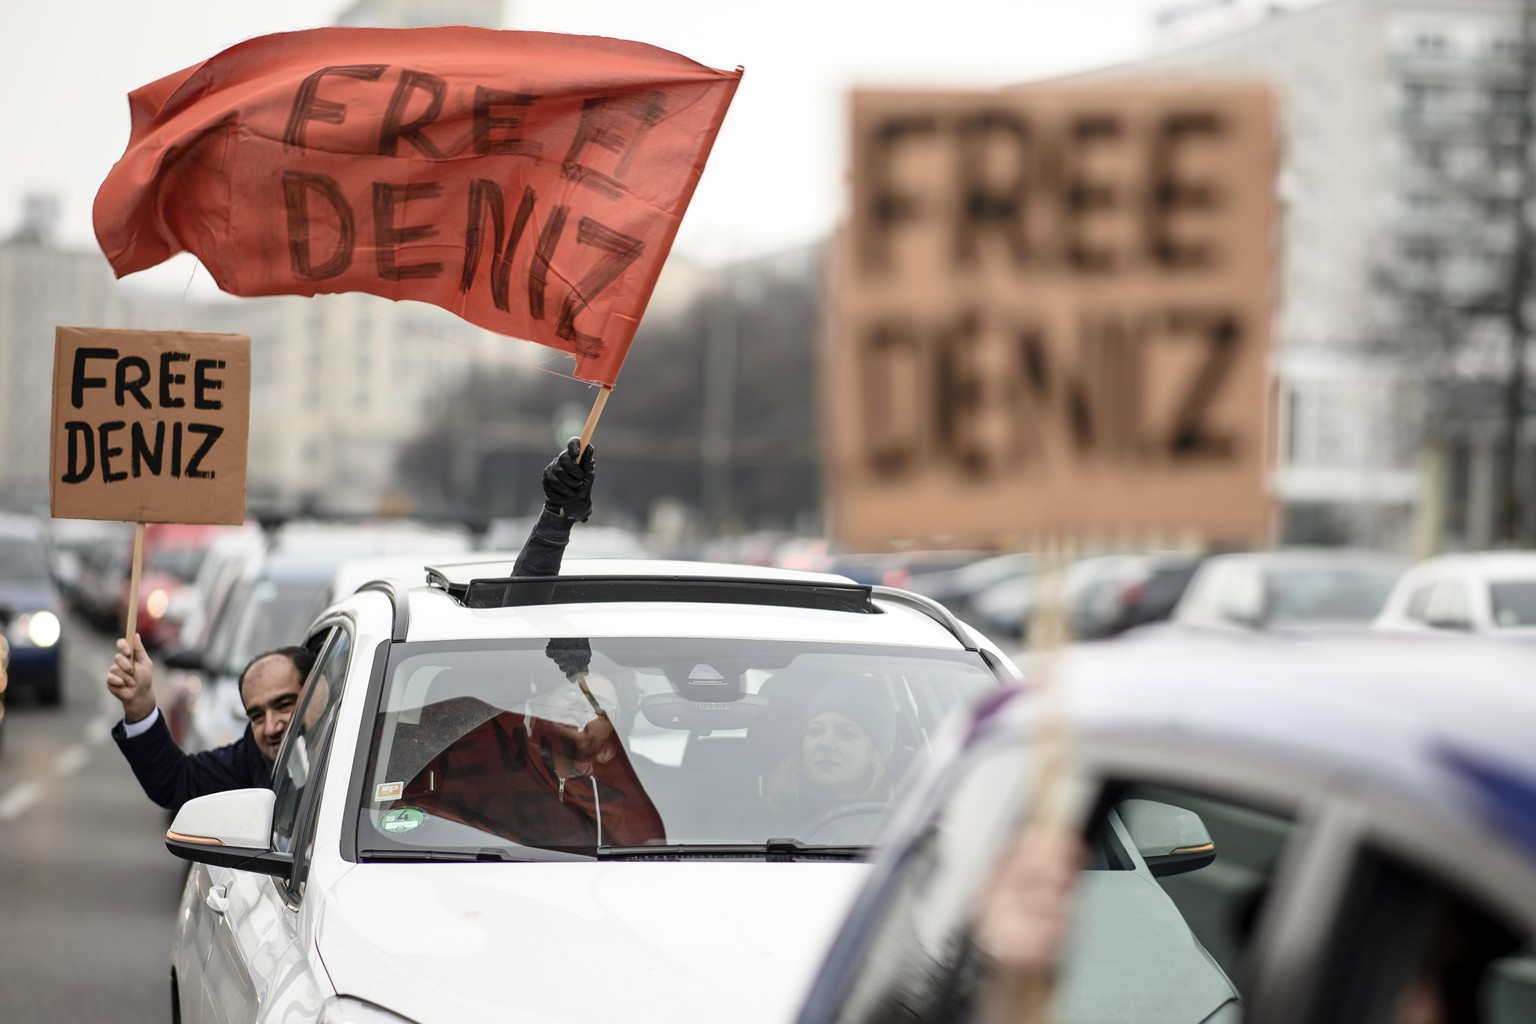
<point>592,417</point>
<point>133,585</point>
<point>1025,991</point>
<point>591,426</point>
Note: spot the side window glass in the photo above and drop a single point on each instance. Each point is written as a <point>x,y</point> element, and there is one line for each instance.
<point>920,961</point>
<point>1411,947</point>
<point>1163,913</point>
<point>302,758</point>
<point>1418,602</point>
<point>1452,605</point>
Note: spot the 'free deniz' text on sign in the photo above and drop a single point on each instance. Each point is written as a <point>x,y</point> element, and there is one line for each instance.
<point>150,426</point>
<point>1055,314</point>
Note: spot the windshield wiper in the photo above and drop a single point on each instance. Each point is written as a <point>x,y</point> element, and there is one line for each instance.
<point>486,854</point>
<point>772,850</point>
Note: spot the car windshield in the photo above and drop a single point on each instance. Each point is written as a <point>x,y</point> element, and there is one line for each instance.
<point>181,562</point>
<point>618,746</point>
<point>1514,603</point>
<point>1339,594</point>
<point>21,562</point>
<point>262,616</point>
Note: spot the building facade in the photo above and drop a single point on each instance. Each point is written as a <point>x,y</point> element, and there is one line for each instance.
<point>1398,186</point>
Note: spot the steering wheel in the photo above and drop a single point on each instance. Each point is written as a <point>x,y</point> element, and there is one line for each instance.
<point>857,809</point>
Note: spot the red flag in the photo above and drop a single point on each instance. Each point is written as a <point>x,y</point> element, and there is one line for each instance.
<point>529,182</point>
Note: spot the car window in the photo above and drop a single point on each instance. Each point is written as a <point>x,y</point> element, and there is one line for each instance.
<point>1452,606</point>
<point>623,742</point>
<point>22,562</point>
<point>180,561</point>
<point>1411,947</point>
<point>1346,593</point>
<point>301,760</point>
<point>260,615</point>
<point>1513,603</point>
<point>1418,604</point>
<point>1154,922</point>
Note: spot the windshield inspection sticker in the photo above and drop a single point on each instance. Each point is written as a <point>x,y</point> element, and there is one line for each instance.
<point>388,790</point>
<point>402,819</point>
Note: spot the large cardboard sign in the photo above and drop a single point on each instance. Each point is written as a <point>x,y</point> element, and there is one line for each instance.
<point>150,426</point>
<point>1053,315</point>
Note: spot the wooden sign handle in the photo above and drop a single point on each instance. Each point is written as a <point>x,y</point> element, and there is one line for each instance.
<point>133,585</point>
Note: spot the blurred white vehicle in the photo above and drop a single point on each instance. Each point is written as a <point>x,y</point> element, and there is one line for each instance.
<point>1490,593</point>
<point>1300,591</point>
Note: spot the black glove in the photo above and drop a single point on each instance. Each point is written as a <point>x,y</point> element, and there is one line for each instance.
<point>572,654</point>
<point>568,483</point>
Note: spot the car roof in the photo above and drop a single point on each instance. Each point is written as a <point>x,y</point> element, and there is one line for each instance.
<point>1309,556</point>
<point>436,612</point>
<point>494,567</point>
<point>310,567</point>
<point>1518,564</point>
<point>1438,719</point>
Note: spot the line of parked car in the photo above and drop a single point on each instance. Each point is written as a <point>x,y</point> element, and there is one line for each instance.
<point>710,711</point>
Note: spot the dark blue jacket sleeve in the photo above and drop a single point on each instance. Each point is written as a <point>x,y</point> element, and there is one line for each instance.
<point>545,546</point>
<point>170,777</point>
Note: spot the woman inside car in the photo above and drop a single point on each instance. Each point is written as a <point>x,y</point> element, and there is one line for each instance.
<point>846,737</point>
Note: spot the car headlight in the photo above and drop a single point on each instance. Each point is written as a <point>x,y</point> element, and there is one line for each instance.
<point>156,603</point>
<point>36,629</point>
<point>346,1010</point>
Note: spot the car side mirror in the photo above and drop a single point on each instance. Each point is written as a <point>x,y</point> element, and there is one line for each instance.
<point>188,658</point>
<point>232,829</point>
<point>1172,840</point>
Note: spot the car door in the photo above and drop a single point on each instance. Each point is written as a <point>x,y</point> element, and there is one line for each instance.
<point>255,948</point>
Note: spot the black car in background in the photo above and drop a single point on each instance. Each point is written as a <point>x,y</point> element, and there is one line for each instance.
<point>31,611</point>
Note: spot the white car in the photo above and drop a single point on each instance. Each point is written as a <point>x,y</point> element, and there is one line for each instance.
<point>1491,593</point>
<point>564,799</point>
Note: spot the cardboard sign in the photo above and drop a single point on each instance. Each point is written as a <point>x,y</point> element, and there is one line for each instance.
<point>150,426</point>
<point>1054,315</point>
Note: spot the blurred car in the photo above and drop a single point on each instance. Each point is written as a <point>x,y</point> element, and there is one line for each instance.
<point>103,565</point>
<point>267,603</point>
<point>5,679</point>
<point>956,587</point>
<point>1488,593</point>
<point>31,612</point>
<point>1091,590</point>
<point>1153,592</point>
<point>178,689</point>
<point>227,553</point>
<point>71,543</point>
<point>173,553</point>
<point>1298,591</point>
<point>755,548</point>
<point>1331,833</point>
<point>561,779</point>
<point>897,568</point>
<point>587,540</point>
<point>267,607</point>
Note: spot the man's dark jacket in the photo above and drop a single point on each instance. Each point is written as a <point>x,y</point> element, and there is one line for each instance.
<point>170,777</point>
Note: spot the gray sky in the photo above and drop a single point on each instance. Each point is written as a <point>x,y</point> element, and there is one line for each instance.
<point>774,179</point>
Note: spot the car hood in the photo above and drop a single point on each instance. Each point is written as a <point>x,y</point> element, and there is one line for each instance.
<point>1134,959</point>
<point>565,942</point>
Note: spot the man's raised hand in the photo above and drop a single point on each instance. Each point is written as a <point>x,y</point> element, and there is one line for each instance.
<point>130,677</point>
